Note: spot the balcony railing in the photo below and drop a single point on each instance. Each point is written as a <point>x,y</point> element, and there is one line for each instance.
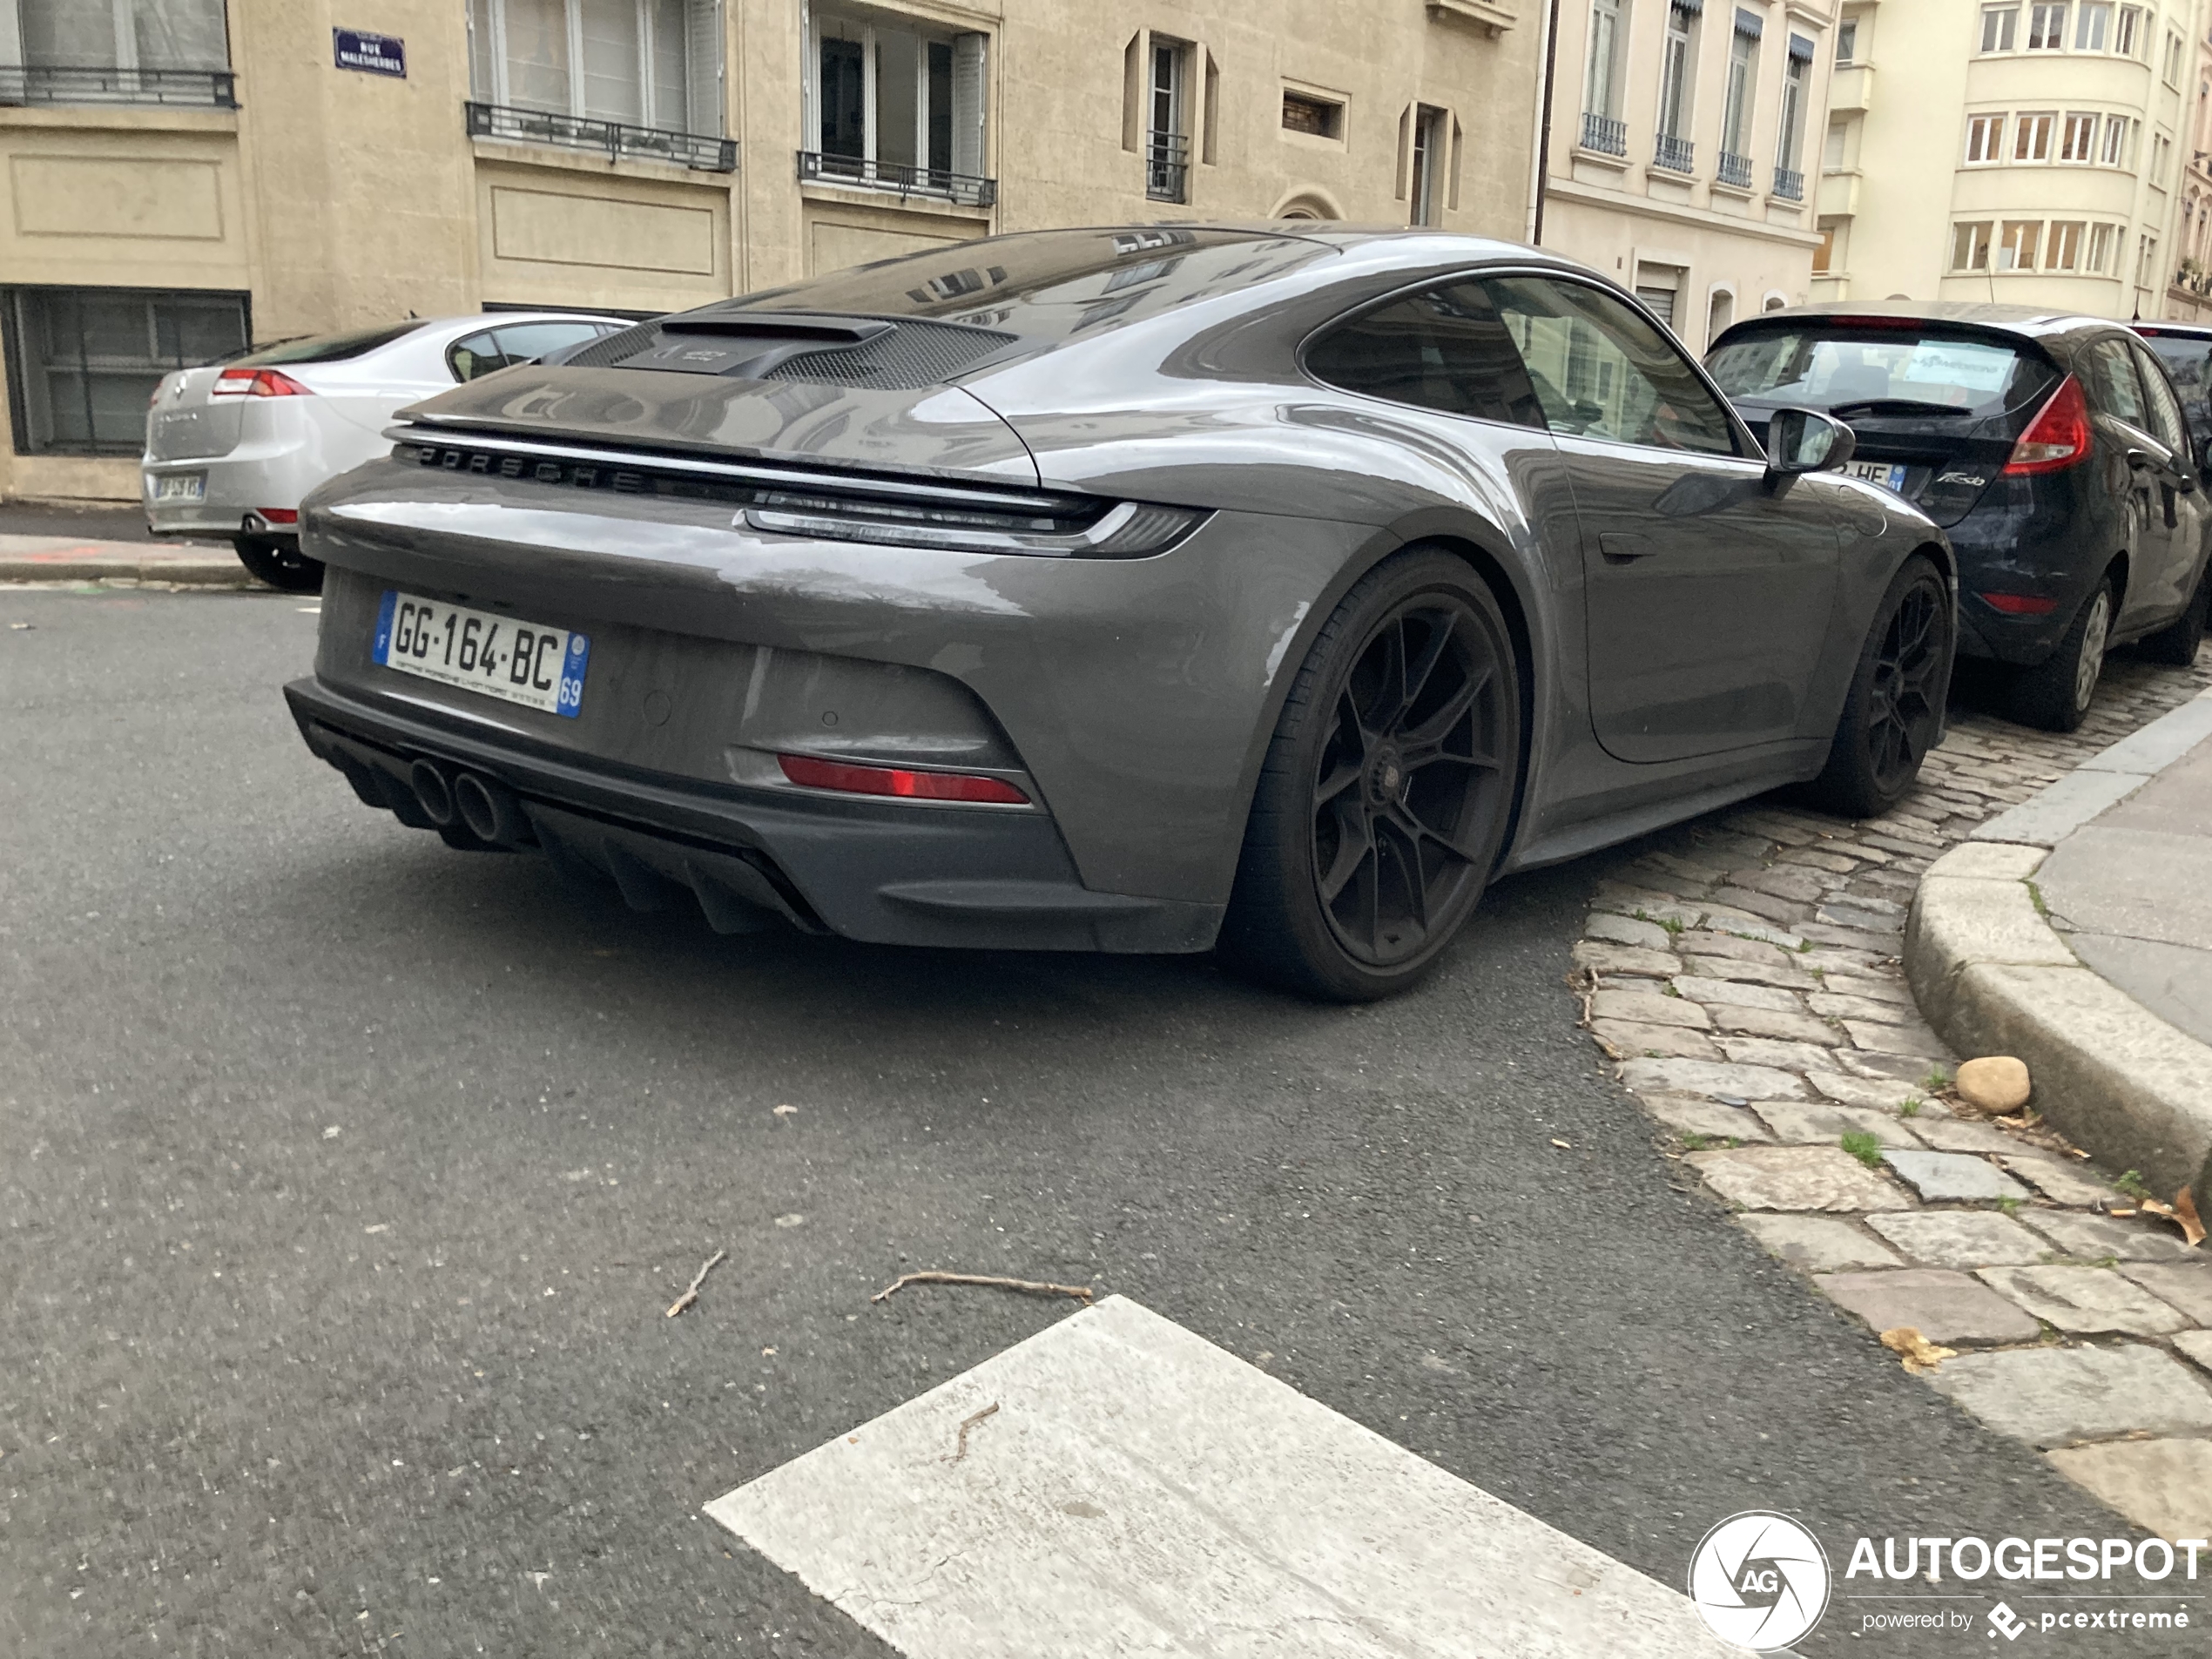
<point>895,178</point>
<point>1166,167</point>
<point>206,89</point>
<point>694,149</point>
<point>1736,170</point>
<point>1676,155</point>
<point>1790,187</point>
<point>1604,134</point>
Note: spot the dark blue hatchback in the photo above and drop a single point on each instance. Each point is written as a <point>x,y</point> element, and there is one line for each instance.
<point>2054,450</point>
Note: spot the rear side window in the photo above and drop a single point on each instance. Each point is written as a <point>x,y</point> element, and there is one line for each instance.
<point>1875,369</point>
<point>496,348</point>
<point>2187,361</point>
<point>2166,421</point>
<point>1444,349</point>
<point>2109,372</point>
<point>327,349</point>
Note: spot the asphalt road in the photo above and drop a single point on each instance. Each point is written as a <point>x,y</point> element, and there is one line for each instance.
<point>344,1178</point>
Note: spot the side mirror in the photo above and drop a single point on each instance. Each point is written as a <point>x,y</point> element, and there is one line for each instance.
<point>1806,440</point>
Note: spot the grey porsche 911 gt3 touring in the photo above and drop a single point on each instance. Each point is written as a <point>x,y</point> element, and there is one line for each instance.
<point>1266,588</point>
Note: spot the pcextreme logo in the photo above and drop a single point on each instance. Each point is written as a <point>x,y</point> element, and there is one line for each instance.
<point>1760,1580</point>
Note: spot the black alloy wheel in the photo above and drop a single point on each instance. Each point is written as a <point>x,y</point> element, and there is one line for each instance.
<point>1387,790</point>
<point>1893,715</point>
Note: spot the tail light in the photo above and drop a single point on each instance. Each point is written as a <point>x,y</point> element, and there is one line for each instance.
<point>893,780</point>
<point>1122,530</point>
<point>2057,438</point>
<point>257,382</point>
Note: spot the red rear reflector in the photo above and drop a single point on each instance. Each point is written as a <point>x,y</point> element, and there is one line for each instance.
<point>2057,438</point>
<point>257,382</point>
<point>2019,605</point>
<point>278,515</point>
<point>892,781</point>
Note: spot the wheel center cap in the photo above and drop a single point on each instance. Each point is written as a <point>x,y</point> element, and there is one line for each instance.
<point>1387,775</point>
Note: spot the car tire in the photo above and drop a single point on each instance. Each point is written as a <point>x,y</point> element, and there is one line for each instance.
<point>2176,644</point>
<point>278,565</point>
<point>1387,788</point>
<point>1893,714</point>
<point>2056,692</point>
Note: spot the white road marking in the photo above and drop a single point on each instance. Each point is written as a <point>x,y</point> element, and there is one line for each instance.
<point>1139,1491</point>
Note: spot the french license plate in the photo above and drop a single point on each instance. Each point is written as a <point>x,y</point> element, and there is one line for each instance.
<point>180,485</point>
<point>520,661</point>
<point>1888,474</point>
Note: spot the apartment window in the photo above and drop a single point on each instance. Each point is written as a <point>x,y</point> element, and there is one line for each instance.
<point>2146,259</point>
<point>1427,164</point>
<point>2078,137</point>
<point>1677,72</point>
<point>1317,117</point>
<point>2119,146</point>
<point>83,363</point>
<point>2101,238</point>
<point>641,63</point>
<point>1167,131</point>
<point>2093,25</point>
<point>1970,246</point>
<point>2031,135</point>
<point>1847,43</point>
<point>1831,156</point>
<point>116,52</point>
<point>2063,252</point>
<point>2046,28</point>
<point>2127,29</point>
<point>1791,141</point>
<point>2173,59</point>
<point>2160,147</point>
<point>1824,257</point>
<point>2000,28</point>
<point>1601,78</point>
<point>897,105</point>
<point>1985,138</point>
<point>1736,102</point>
<point>2017,245</point>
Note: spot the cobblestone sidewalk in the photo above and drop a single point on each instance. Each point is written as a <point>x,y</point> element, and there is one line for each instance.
<point>1742,970</point>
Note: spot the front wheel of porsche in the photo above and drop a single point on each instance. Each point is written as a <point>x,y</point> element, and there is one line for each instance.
<point>1387,789</point>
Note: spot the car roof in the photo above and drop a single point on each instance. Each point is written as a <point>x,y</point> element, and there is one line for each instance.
<point>2032,322</point>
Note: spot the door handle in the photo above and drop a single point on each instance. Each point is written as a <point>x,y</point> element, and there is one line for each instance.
<point>1625,547</point>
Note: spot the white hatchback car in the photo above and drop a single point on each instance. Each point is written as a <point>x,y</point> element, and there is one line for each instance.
<point>232,446</point>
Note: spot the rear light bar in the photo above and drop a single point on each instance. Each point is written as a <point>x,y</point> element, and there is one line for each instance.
<point>256,382</point>
<point>2059,436</point>
<point>898,781</point>
<point>2019,605</point>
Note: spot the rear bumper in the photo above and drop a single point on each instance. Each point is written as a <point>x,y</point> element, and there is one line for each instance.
<point>890,874</point>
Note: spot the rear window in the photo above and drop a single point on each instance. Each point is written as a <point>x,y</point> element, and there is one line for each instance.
<point>327,349</point>
<point>2186,359</point>
<point>1873,371</point>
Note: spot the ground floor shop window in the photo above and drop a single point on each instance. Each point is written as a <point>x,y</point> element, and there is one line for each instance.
<point>83,363</point>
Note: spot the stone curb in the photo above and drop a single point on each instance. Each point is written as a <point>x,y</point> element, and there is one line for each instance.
<point>211,572</point>
<point>1993,977</point>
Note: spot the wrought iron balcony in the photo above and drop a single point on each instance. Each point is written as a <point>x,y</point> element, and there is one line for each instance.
<point>896,179</point>
<point>206,89</point>
<point>695,150</point>
<point>1676,155</point>
<point>1736,170</point>
<point>1790,187</point>
<point>1166,167</point>
<point>1604,134</point>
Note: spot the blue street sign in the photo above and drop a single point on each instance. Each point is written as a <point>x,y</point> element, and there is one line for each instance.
<point>377,54</point>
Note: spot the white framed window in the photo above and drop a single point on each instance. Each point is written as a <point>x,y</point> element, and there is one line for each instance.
<point>2017,244</point>
<point>2078,137</point>
<point>1677,70</point>
<point>641,63</point>
<point>2047,26</point>
<point>1602,75</point>
<point>2000,28</point>
<point>1970,246</point>
<point>2062,251</point>
<point>2102,239</point>
<point>2172,70</point>
<point>1167,119</point>
<point>2127,31</point>
<point>2161,148</point>
<point>2118,149</point>
<point>2031,134</point>
<point>1985,139</point>
<point>895,102</point>
<point>1790,140</point>
<point>1847,43</point>
<point>1740,87</point>
<point>1427,163</point>
<point>2146,259</point>
<point>2093,25</point>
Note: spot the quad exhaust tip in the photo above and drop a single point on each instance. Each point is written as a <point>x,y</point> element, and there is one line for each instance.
<point>433,793</point>
<point>490,810</point>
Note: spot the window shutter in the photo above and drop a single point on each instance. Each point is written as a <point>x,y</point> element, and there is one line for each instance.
<point>702,67</point>
<point>968,104</point>
<point>1135,56</point>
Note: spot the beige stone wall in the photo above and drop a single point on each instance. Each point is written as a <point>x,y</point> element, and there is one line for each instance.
<point>337,198</point>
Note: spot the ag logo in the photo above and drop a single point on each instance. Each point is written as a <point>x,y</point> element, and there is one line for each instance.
<point>1760,1580</point>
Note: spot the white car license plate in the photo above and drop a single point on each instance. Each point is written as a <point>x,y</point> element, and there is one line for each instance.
<point>1888,474</point>
<point>521,662</point>
<point>180,485</point>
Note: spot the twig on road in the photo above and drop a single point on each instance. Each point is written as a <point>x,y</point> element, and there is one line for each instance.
<point>691,1294</point>
<point>967,1423</point>
<point>1081,1292</point>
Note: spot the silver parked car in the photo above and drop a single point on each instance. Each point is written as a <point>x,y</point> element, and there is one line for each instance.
<point>232,446</point>
<point>1130,588</point>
